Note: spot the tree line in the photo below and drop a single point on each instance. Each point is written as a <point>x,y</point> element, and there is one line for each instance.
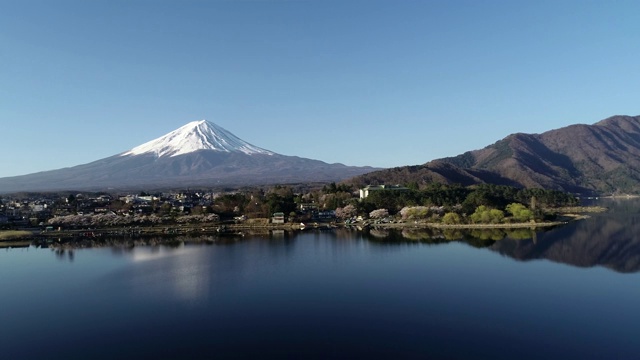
<point>476,203</point>
<point>468,199</point>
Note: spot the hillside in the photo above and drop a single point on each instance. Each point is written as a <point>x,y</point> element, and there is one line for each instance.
<point>600,158</point>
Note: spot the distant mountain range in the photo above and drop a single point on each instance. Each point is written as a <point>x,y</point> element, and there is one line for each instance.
<point>199,153</point>
<point>602,158</point>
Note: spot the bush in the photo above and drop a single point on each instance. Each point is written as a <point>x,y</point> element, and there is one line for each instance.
<point>520,212</point>
<point>485,215</point>
<point>451,218</point>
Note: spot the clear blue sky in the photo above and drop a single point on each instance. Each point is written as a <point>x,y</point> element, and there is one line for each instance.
<point>381,83</point>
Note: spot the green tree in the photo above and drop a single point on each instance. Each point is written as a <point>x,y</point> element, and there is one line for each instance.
<point>412,185</point>
<point>330,189</point>
<point>496,216</point>
<point>519,212</point>
<point>486,215</point>
<point>280,199</point>
<point>451,218</point>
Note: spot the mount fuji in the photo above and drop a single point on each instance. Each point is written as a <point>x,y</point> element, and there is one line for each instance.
<point>199,153</point>
<point>195,136</point>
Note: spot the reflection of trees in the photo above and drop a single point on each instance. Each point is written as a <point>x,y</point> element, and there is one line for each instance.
<point>422,235</point>
<point>476,237</point>
<point>384,235</point>
<point>610,240</point>
<point>418,234</point>
<point>379,233</point>
<point>452,234</point>
<point>520,234</point>
<point>347,233</point>
<point>488,234</point>
<point>121,245</point>
<point>64,254</point>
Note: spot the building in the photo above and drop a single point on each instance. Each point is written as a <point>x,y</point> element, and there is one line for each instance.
<point>306,207</point>
<point>364,192</point>
<point>277,218</point>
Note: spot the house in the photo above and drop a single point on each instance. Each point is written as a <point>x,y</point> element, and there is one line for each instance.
<point>103,199</point>
<point>35,207</point>
<point>277,218</point>
<point>364,192</point>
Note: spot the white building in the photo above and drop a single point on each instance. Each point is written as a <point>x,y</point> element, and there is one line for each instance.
<point>364,192</point>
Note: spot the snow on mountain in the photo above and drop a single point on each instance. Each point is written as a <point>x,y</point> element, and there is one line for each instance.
<point>199,154</point>
<point>194,136</point>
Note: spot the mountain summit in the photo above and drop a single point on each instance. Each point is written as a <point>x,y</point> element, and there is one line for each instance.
<point>199,153</point>
<point>194,136</point>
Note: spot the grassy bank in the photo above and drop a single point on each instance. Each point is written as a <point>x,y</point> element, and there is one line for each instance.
<point>6,235</point>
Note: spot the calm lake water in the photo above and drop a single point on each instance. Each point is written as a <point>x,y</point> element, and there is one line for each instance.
<point>569,292</point>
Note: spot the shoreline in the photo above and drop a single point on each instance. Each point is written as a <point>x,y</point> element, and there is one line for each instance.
<point>476,226</point>
<point>239,229</point>
<point>22,235</point>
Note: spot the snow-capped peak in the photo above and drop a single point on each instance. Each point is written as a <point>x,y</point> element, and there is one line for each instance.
<point>194,136</point>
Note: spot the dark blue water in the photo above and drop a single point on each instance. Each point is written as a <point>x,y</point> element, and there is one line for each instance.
<point>571,292</point>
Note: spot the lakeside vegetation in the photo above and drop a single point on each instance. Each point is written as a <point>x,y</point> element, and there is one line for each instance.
<point>456,205</point>
<point>8,235</point>
<point>436,205</point>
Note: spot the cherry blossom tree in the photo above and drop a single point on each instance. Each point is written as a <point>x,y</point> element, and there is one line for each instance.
<point>414,212</point>
<point>346,212</point>
<point>379,213</point>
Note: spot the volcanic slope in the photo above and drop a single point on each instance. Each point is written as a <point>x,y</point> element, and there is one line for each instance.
<point>199,153</point>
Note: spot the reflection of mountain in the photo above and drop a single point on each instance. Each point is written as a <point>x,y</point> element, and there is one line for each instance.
<point>610,240</point>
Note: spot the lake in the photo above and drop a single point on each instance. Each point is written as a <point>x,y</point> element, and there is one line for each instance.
<point>567,292</point>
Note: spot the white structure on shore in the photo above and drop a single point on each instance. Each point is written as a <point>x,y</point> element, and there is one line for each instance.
<point>364,192</point>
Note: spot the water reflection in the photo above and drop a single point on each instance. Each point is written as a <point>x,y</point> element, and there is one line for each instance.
<point>600,241</point>
<point>64,254</point>
<point>476,237</point>
<point>610,240</point>
<point>158,252</point>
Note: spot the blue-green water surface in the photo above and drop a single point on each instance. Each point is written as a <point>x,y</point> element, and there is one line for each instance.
<point>569,292</point>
